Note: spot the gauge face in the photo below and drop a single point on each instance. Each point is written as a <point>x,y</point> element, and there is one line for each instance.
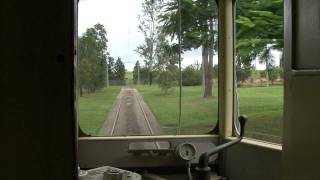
<point>186,151</point>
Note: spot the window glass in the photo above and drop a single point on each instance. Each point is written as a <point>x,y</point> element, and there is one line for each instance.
<point>200,66</point>
<point>133,57</point>
<point>259,67</point>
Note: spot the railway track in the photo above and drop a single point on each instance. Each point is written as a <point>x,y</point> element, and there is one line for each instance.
<point>146,120</point>
<point>117,117</point>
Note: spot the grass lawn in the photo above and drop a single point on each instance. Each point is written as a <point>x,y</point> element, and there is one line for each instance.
<point>198,115</point>
<point>94,108</point>
<point>264,108</point>
<point>262,105</point>
<point>129,77</point>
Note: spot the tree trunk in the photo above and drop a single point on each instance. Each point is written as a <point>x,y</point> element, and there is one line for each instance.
<point>207,61</point>
<point>210,54</point>
<point>150,78</point>
<point>267,72</point>
<point>267,77</point>
<point>281,60</point>
<point>207,73</point>
<point>203,77</point>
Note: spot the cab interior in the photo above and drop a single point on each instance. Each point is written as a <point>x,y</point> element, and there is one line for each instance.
<point>38,119</point>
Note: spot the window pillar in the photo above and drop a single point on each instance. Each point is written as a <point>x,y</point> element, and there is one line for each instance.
<point>226,66</point>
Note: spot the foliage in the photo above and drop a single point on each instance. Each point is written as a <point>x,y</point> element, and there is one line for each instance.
<point>136,73</point>
<point>267,58</point>
<point>197,21</point>
<point>144,75</point>
<point>111,71</point>
<point>191,76</point>
<point>195,29</point>
<point>166,65</point>
<point>274,73</point>
<point>119,70</point>
<point>150,29</point>
<point>167,79</point>
<point>281,72</point>
<point>167,55</point>
<point>92,58</point>
<point>243,72</point>
<point>259,30</point>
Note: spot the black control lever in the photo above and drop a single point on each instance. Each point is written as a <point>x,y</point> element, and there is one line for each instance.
<point>203,169</point>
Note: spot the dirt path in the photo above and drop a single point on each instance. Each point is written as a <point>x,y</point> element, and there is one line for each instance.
<point>130,115</point>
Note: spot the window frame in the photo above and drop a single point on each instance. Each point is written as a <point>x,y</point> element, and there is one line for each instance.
<point>226,105</point>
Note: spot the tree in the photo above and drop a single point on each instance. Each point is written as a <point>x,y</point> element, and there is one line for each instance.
<point>261,21</point>
<point>144,74</point>
<point>197,30</point>
<point>259,29</point>
<point>191,76</point>
<point>111,70</point>
<point>166,64</point>
<point>274,73</point>
<point>119,69</point>
<point>166,54</point>
<point>243,72</point>
<point>267,58</point>
<point>136,73</point>
<point>166,79</point>
<point>92,58</point>
<point>151,10</point>
<point>87,54</point>
<point>99,33</point>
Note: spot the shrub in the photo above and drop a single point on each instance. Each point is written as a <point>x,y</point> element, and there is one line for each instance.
<point>166,80</point>
<point>191,76</point>
<point>243,72</point>
<point>274,73</point>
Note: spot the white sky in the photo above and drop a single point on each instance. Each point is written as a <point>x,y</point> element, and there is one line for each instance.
<point>119,17</point>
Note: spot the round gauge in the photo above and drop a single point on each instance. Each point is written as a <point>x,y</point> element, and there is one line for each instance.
<point>186,151</point>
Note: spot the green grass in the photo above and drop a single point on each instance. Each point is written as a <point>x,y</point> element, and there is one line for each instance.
<point>199,115</point>
<point>262,105</point>
<point>129,77</point>
<point>94,108</point>
<point>264,108</point>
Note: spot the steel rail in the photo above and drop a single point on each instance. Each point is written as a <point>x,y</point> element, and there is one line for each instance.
<point>117,117</point>
<point>145,117</point>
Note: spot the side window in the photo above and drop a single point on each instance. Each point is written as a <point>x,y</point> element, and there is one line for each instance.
<point>147,67</point>
<point>259,67</point>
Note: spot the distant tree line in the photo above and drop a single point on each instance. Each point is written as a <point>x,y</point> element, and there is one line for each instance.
<point>93,59</point>
<point>192,75</point>
<point>116,70</point>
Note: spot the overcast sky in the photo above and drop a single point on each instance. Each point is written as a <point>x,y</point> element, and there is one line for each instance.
<point>119,17</point>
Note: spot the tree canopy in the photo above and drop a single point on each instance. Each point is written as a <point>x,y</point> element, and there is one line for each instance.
<point>194,23</point>
<point>95,61</point>
<point>149,27</point>
<point>119,70</point>
<point>92,58</point>
<point>259,30</point>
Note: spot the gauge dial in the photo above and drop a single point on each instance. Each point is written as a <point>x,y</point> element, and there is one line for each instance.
<point>186,151</point>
